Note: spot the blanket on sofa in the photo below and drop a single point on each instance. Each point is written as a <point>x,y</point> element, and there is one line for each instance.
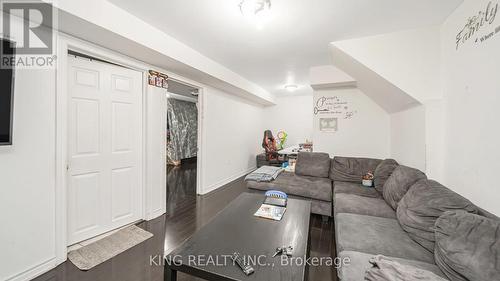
<point>264,174</point>
<point>385,269</point>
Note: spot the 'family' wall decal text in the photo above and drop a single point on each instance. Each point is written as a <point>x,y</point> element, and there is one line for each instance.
<point>475,24</point>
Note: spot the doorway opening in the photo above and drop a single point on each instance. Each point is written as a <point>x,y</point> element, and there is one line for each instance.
<point>182,144</point>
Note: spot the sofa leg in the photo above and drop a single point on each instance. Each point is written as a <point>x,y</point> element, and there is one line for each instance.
<point>325,218</point>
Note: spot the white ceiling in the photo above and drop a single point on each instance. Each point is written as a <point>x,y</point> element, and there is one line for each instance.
<point>295,38</point>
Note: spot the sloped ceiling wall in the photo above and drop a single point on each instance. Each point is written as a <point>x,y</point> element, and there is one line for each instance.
<point>398,70</point>
<point>383,92</point>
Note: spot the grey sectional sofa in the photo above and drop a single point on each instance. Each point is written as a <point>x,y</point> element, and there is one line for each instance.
<point>395,219</point>
<point>311,181</point>
<point>371,221</point>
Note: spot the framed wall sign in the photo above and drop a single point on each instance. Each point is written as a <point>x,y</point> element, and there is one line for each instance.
<point>157,79</point>
<point>328,125</point>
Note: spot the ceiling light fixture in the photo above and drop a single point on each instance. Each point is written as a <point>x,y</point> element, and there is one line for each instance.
<point>256,11</point>
<point>291,87</point>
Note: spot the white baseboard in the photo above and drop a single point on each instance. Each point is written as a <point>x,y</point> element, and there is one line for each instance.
<point>35,271</point>
<point>153,215</point>
<point>225,181</point>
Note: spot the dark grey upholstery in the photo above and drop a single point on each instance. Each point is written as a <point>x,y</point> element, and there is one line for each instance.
<point>321,207</point>
<point>361,205</point>
<point>399,182</point>
<point>313,164</point>
<point>310,181</point>
<point>423,204</point>
<point>355,188</point>
<point>351,169</point>
<point>373,235</point>
<point>383,172</point>
<point>359,263</point>
<point>468,246</point>
<point>385,269</point>
<point>290,183</point>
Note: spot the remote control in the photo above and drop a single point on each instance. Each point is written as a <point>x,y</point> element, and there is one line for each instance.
<point>247,269</point>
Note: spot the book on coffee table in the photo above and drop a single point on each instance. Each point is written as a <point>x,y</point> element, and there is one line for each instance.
<point>270,212</point>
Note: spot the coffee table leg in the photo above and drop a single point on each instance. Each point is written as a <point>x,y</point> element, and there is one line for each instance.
<point>169,274</point>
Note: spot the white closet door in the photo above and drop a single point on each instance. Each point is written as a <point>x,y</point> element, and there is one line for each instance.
<point>104,148</point>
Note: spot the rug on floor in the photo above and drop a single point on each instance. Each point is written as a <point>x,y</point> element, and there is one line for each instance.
<point>102,250</point>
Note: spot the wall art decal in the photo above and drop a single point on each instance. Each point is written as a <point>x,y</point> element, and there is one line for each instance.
<point>334,106</point>
<point>328,125</point>
<point>475,26</point>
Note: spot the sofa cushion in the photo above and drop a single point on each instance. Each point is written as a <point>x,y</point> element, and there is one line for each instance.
<point>383,172</point>
<point>423,204</point>
<point>321,207</point>
<point>313,164</point>
<point>468,246</point>
<point>373,235</point>
<point>360,262</point>
<point>355,188</point>
<point>399,182</point>
<point>369,206</point>
<point>290,183</point>
<point>351,169</point>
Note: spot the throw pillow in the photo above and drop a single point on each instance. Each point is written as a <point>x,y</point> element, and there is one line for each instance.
<point>383,172</point>
<point>468,246</point>
<point>426,201</point>
<point>399,182</point>
<point>314,164</point>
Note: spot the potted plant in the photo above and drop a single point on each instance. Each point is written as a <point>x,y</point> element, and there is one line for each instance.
<point>368,179</point>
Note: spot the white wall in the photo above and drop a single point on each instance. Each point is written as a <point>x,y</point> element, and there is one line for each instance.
<point>367,134</point>
<point>27,170</point>
<point>409,59</point>
<point>408,137</point>
<point>232,129</point>
<point>435,136</point>
<point>472,99</point>
<point>27,173</point>
<point>292,114</point>
<point>156,164</point>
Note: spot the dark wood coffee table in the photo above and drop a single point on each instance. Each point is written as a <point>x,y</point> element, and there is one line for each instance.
<point>235,229</point>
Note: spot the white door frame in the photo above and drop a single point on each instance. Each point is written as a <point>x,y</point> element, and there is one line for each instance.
<point>66,43</point>
<point>200,133</point>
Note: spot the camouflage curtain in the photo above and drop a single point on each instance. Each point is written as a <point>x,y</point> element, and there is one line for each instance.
<point>182,140</point>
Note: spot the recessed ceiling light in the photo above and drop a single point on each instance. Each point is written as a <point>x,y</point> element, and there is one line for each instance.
<point>291,87</point>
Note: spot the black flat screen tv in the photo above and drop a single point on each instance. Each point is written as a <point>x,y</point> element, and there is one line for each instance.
<point>6,92</point>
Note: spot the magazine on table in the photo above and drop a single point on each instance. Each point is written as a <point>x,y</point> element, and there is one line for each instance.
<point>270,212</point>
<point>274,205</point>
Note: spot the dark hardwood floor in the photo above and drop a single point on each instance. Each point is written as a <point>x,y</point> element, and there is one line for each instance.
<point>186,212</point>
